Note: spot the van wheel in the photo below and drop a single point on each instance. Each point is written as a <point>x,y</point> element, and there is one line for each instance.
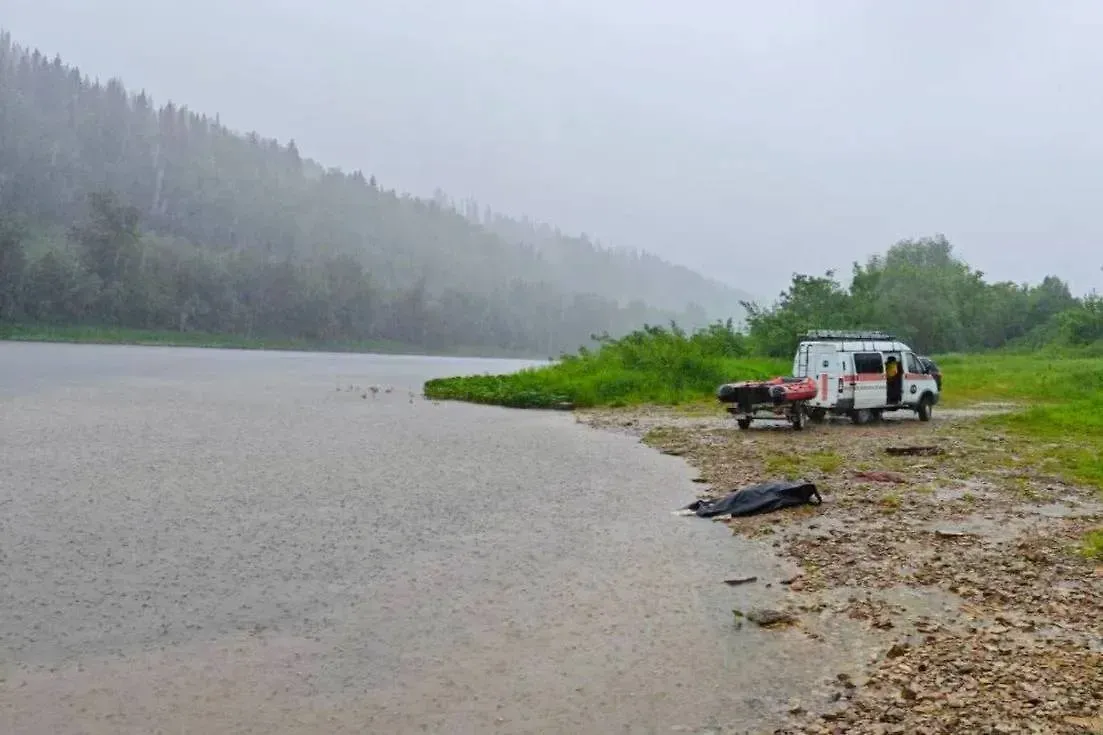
<point>861,416</point>
<point>817,415</point>
<point>743,423</point>
<point>924,410</point>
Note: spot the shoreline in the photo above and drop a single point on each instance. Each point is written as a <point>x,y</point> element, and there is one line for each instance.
<point>203,340</point>
<point>962,565</point>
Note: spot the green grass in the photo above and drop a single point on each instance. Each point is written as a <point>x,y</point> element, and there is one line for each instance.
<point>891,502</point>
<point>1060,398</point>
<point>652,366</point>
<point>794,465</point>
<point>123,336</point>
<point>1092,545</point>
<point>1058,395</point>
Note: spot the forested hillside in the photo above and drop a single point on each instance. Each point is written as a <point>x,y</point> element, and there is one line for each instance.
<point>116,212</point>
<point>622,274</point>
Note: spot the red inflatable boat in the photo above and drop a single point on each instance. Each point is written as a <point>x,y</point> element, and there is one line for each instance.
<point>782,397</point>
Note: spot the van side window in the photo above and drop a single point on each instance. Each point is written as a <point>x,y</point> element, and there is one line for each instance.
<point>868,362</point>
<point>913,364</point>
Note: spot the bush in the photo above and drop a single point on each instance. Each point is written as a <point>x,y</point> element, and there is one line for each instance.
<point>651,365</point>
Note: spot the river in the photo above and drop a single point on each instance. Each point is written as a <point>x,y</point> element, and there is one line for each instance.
<point>209,541</point>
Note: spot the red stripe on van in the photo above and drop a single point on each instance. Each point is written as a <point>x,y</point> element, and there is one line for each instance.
<point>863,377</point>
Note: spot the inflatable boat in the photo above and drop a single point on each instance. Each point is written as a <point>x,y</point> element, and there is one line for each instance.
<point>782,397</point>
<point>775,391</point>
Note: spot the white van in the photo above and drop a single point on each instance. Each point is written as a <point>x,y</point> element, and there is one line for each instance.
<point>850,370</point>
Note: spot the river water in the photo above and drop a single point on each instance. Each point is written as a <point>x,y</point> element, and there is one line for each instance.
<point>209,541</point>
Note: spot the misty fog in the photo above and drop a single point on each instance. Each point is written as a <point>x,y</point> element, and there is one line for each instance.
<point>742,140</point>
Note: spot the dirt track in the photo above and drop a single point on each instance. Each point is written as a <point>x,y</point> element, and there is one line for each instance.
<point>222,542</point>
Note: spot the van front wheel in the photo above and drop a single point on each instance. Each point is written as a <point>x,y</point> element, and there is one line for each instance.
<point>924,409</point>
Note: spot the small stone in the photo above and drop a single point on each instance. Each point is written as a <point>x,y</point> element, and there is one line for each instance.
<point>897,650</point>
<point>768,618</point>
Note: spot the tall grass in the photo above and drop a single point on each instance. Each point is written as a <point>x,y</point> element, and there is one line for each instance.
<point>653,365</point>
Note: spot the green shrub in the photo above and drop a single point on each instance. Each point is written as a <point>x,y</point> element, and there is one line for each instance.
<point>652,365</point>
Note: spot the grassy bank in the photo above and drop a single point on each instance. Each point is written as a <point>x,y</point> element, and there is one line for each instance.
<point>655,366</point>
<point>1060,394</point>
<point>120,336</point>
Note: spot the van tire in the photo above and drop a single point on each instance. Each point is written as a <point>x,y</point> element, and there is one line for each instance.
<point>817,415</point>
<point>861,416</point>
<point>924,408</point>
<point>743,423</point>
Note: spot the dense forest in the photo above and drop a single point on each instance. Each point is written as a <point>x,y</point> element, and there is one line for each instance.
<point>922,292</point>
<point>116,212</point>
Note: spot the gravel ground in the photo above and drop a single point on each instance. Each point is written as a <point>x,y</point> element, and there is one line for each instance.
<point>963,559</point>
<point>203,541</point>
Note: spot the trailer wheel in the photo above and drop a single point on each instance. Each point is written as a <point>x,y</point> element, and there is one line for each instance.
<point>797,421</point>
<point>924,410</point>
<point>744,423</point>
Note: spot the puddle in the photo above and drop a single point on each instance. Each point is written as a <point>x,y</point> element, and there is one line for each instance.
<point>1067,509</point>
<point>988,528</point>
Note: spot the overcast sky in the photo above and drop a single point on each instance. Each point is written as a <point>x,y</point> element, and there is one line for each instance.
<point>745,139</point>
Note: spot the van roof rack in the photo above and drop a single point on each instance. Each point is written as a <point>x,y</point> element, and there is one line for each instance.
<point>859,334</point>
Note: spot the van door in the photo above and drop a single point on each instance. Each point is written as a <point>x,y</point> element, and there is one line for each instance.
<point>869,380</point>
<point>824,366</point>
<point>915,379</point>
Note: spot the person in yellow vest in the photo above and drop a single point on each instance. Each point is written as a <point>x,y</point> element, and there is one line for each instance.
<point>892,368</point>
<point>893,380</point>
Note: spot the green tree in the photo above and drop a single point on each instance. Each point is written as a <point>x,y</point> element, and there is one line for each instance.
<point>12,266</point>
<point>109,238</point>
<point>810,302</point>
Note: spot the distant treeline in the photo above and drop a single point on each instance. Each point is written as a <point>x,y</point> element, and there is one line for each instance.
<point>105,271</point>
<point>920,291</point>
<point>120,213</point>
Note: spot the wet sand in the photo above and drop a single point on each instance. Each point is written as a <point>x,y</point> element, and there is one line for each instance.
<point>205,541</point>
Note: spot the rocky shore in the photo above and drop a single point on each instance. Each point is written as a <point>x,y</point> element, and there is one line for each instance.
<point>955,544</point>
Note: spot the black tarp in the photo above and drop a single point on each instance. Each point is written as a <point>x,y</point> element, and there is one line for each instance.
<point>761,498</point>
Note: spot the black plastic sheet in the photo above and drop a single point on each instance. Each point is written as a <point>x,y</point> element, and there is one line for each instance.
<point>764,497</point>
